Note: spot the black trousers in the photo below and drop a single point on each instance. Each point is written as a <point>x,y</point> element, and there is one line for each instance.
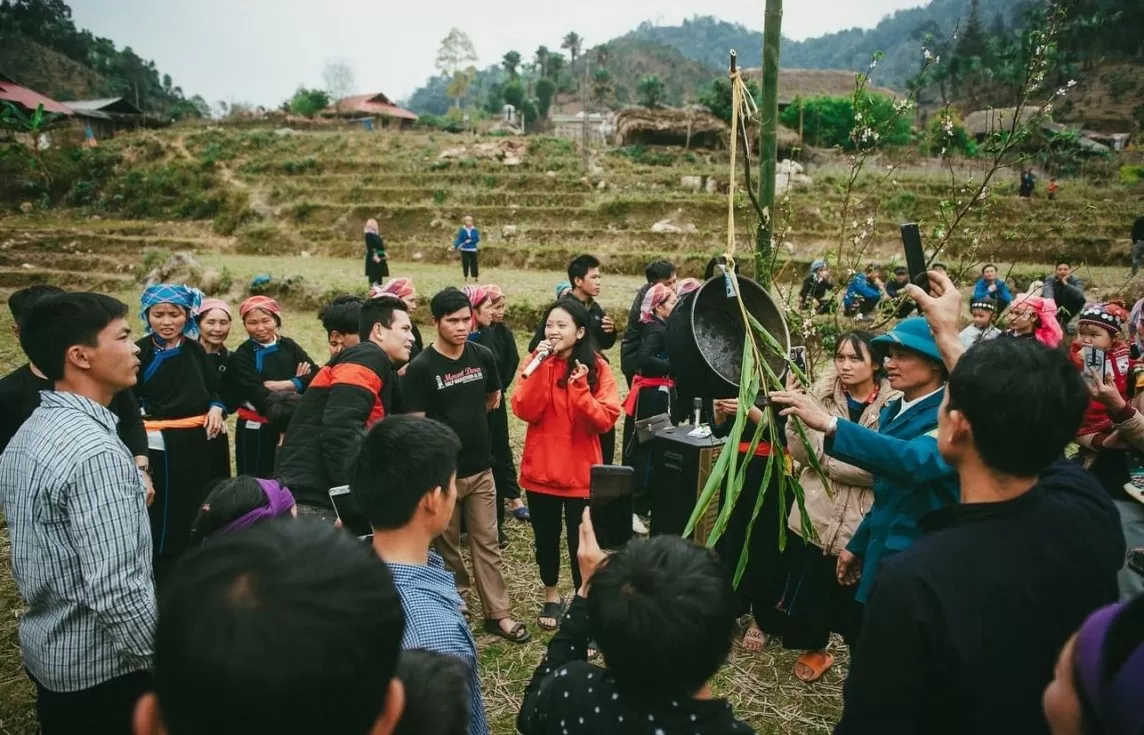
<point>106,708</point>
<point>546,511</point>
<point>504,466</point>
<point>608,445</point>
<point>816,603</point>
<point>469,263</point>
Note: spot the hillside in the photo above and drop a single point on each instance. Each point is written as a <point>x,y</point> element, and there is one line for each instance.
<point>48,71</point>
<point>629,60</point>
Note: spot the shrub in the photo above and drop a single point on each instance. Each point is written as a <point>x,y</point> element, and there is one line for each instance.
<point>947,137</point>
<point>831,122</point>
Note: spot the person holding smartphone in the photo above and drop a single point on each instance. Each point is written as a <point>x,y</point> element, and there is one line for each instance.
<point>568,401</point>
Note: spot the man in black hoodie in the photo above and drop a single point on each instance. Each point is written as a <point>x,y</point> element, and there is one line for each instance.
<point>963,629</point>
<point>355,390</point>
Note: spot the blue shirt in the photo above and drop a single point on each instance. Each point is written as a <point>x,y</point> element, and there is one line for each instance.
<point>433,622</point>
<point>467,240</point>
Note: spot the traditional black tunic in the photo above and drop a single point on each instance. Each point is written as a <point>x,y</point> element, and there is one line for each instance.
<point>249,367</point>
<point>178,383</point>
<point>378,271</point>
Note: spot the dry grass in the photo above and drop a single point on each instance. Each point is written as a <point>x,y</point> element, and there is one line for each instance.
<point>759,685</point>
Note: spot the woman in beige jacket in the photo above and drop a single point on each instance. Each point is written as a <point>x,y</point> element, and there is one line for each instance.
<point>817,603</point>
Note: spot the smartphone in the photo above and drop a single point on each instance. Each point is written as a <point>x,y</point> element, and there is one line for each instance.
<point>915,256</point>
<point>798,357</point>
<point>1095,363</point>
<point>353,520</point>
<point>610,504</point>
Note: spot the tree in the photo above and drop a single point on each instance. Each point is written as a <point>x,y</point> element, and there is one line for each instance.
<point>602,86</point>
<point>573,43</point>
<point>651,91</point>
<point>339,79</point>
<point>556,64</point>
<point>459,86</point>
<point>542,54</point>
<point>545,91</point>
<point>309,102</point>
<point>717,97</point>
<point>972,42</point>
<point>494,100</point>
<point>455,55</point>
<point>511,63</point>
<point>513,93</point>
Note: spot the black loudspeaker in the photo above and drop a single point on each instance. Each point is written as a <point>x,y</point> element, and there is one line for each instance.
<point>680,466</point>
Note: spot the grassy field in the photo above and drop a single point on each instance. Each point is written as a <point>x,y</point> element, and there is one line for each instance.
<point>759,685</point>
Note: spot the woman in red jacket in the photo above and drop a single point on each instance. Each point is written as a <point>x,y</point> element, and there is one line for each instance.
<point>568,402</point>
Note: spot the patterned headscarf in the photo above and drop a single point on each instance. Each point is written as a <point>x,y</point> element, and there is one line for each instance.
<point>211,304</point>
<point>371,226</point>
<point>1048,331</point>
<point>687,285</point>
<point>562,289</point>
<point>476,295</point>
<point>653,299</point>
<point>495,292</point>
<point>402,288</point>
<point>265,303</point>
<point>1109,316</point>
<point>187,298</point>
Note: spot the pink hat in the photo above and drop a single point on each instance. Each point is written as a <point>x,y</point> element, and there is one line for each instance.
<point>211,304</point>
<point>1048,331</point>
<point>265,303</point>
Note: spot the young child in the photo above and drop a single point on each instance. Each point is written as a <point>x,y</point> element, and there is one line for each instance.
<point>1053,189</point>
<point>1099,326</point>
<point>982,327</point>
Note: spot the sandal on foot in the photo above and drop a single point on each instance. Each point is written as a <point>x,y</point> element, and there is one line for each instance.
<point>551,610</point>
<point>518,634</point>
<point>521,513</point>
<point>811,665</point>
<point>754,640</point>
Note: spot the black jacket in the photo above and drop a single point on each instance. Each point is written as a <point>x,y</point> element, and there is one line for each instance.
<point>652,362</point>
<point>1138,230</point>
<point>352,392</point>
<point>500,340</point>
<point>964,628</point>
<point>603,340</point>
<point>630,345</point>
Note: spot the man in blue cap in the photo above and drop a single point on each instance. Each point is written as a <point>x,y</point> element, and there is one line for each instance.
<point>910,476</point>
<point>817,289</point>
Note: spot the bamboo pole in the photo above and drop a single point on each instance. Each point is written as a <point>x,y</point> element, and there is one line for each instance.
<point>768,140</point>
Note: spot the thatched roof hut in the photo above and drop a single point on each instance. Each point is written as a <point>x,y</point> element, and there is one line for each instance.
<point>691,126</point>
<point>997,120</point>
<point>807,83</point>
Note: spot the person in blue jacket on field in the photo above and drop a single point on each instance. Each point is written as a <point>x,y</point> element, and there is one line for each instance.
<point>910,477</point>
<point>863,293</point>
<point>991,288</point>
<point>467,241</point>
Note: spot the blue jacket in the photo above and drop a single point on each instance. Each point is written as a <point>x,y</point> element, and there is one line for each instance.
<point>1003,296</point>
<point>910,480</point>
<point>467,242</point>
<point>860,289</point>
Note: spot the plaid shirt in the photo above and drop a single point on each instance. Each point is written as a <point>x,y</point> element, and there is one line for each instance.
<point>433,622</point>
<point>81,545</point>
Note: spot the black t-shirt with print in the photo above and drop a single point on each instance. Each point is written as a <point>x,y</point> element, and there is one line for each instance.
<point>453,392</point>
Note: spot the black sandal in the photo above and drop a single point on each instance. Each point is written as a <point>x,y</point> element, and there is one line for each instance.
<point>518,634</point>
<point>550,610</point>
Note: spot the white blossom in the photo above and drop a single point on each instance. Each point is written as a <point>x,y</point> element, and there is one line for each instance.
<point>1072,83</point>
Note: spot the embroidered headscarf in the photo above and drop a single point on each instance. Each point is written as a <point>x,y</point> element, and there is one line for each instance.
<point>1048,331</point>
<point>267,304</point>
<point>656,296</point>
<point>210,305</point>
<point>985,305</point>
<point>562,289</point>
<point>687,285</point>
<point>495,292</point>
<point>187,298</point>
<point>1109,316</point>
<point>476,295</point>
<point>371,226</point>
<point>402,288</point>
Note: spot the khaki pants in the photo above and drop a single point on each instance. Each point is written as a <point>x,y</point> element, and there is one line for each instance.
<point>477,499</point>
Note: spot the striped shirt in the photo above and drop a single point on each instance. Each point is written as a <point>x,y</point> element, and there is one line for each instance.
<point>81,545</point>
<point>433,622</point>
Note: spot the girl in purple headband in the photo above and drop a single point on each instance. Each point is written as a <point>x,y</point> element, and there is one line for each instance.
<point>238,503</point>
<point>1098,686</point>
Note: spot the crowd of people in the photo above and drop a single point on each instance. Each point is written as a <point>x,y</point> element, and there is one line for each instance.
<point>980,578</point>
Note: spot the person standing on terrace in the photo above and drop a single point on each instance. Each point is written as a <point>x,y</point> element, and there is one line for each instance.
<point>467,241</point>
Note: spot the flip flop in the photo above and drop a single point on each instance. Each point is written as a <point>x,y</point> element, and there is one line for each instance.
<point>550,610</point>
<point>521,513</point>
<point>518,634</point>
<point>816,662</point>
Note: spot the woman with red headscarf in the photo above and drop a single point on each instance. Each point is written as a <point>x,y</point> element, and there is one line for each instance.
<point>1035,317</point>
<point>263,364</point>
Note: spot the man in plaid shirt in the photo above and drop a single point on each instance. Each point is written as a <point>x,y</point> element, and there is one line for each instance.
<point>404,481</point>
<point>75,506</point>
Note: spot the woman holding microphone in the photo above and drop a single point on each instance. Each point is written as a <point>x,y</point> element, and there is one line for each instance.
<point>568,398</point>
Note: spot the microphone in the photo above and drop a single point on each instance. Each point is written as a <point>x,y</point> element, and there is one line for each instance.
<point>541,356</point>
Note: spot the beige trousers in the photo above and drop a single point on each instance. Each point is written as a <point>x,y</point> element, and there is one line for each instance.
<point>477,500</point>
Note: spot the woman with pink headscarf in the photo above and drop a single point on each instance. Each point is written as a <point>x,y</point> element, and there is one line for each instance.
<point>1035,317</point>
<point>376,263</point>
<point>402,288</point>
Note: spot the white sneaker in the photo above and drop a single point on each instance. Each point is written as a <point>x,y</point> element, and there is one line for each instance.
<point>638,527</point>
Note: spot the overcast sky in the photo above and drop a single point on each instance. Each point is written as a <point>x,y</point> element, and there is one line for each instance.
<point>259,51</point>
